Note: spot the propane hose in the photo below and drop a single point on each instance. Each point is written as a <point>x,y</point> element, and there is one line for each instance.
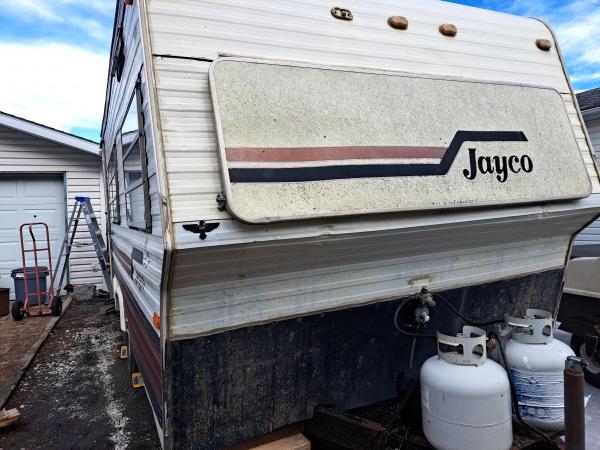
<point>452,308</point>
<point>459,314</point>
<point>513,394</point>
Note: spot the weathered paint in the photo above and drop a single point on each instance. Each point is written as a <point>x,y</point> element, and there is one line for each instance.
<point>244,275</point>
<point>540,395</point>
<point>229,386</point>
<point>145,346</point>
<point>142,278</point>
<point>278,276</point>
<point>139,278</point>
<point>505,143</point>
<point>289,29</point>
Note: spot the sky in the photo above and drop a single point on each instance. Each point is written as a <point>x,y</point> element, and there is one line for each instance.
<point>55,54</point>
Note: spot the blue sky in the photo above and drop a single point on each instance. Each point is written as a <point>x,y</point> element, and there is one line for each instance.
<point>55,54</point>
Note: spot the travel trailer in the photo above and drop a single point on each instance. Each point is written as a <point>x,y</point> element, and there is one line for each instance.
<point>282,175</point>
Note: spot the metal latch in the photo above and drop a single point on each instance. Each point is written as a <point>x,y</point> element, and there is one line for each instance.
<point>341,13</point>
<point>221,202</point>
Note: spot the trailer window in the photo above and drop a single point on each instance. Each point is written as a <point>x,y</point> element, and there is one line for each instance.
<point>113,187</point>
<point>135,165</point>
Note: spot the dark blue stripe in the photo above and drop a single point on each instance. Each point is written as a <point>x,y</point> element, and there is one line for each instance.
<point>293,174</point>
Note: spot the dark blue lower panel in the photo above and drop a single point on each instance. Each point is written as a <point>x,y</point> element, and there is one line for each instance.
<point>234,385</point>
<point>145,346</point>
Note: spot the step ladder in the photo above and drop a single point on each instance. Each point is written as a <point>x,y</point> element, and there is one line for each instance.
<point>83,205</point>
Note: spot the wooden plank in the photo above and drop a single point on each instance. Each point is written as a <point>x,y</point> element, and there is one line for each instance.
<point>295,442</point>
<point>9,416</point>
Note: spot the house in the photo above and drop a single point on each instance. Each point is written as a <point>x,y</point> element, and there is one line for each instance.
<point>588,241</point>
<point>41,171</point>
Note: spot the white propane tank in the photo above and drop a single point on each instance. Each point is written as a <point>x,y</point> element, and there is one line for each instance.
<point>536,361</point>
<point>465,397</point>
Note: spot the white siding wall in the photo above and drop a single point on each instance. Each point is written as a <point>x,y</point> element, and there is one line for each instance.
<point>227,287</point>
<point>303,267</point>
<point>20,152</point>
<point>591,235</point>
<point>489,46</point>
<point>593,127</point>
<point>148,296</point>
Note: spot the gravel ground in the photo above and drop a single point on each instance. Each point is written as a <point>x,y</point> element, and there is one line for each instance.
<point>77,394</point>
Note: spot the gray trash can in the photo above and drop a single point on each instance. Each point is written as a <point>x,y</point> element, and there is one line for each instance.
<point>19,280</point>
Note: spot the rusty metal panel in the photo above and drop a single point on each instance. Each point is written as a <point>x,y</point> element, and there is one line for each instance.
<point>298,141</point>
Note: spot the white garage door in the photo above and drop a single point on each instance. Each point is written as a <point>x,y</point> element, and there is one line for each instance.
<point>28,199</point>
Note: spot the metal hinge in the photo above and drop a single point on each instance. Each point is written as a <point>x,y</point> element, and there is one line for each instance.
<point>221,202</point>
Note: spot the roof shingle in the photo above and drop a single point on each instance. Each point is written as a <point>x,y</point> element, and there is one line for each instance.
<point>589,99</point>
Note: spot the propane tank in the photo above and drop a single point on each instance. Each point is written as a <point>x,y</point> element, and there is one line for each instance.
<point>536,361</point>
<point>465,397</point>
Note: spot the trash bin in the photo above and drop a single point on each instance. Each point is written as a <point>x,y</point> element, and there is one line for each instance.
<point>19,279</point>
<point>4,293</point>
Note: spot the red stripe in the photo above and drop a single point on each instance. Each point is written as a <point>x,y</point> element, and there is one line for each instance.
<point>291,154</point>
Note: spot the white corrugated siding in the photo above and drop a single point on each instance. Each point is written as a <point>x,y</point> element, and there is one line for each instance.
<point>591,235</point>
<point>146,292</point>
<point>190,146</point>
<point>305,30</point>
<point>489,46</point>
<point>593,127</point>
<point>231,286</point>
<point>20,152</point>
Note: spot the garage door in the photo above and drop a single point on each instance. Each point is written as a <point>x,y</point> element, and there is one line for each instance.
<point>28,199</point>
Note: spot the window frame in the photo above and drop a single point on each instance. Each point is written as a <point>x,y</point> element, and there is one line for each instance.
<point>114,203</point>
<point>140,140</point>
<point>117,57</point>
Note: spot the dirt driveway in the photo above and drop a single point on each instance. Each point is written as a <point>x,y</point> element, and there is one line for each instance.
<point>77,394</point>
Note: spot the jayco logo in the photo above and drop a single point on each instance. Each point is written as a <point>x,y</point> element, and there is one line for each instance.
<point>500,165</point>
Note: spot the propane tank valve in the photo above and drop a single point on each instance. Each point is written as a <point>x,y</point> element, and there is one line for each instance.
<point>425,301</point>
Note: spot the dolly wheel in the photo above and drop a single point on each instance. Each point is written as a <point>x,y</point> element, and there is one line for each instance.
<point>17,310</point>
<point>56,306</point>
<point>592,370</point>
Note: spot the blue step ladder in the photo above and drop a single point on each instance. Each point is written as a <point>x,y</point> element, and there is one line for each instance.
<point>83,205</point>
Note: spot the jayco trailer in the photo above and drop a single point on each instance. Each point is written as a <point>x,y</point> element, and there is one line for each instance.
<point>281,175</point>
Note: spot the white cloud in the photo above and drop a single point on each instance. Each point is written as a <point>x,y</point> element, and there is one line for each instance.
<point>92,28</point>
<point>40,9</point>
<point>58,85</point>
<point>51,10</point>
<point>75,13</point>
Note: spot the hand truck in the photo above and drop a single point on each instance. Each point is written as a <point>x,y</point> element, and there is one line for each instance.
<point>43,308</point>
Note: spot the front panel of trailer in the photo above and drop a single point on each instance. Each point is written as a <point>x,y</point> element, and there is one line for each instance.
<point>298,141</point>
